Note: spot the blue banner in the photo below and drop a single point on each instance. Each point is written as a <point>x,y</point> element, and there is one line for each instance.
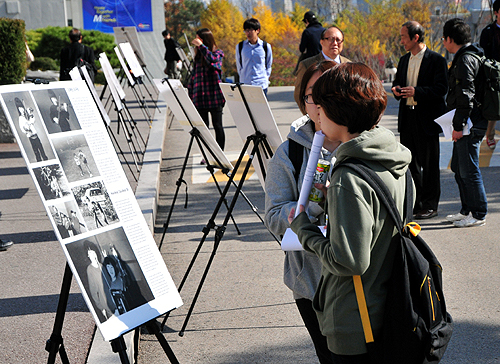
<point>104,15</point>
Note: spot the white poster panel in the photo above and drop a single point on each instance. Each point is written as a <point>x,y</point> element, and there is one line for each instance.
<point>76,76</point>
<point>262,117</point>
<point>130,35</point>
<point>185,112</point>
<point>110,75</point>
<point>131,59</point>
<point>90,204</point>
<point>124,66</point>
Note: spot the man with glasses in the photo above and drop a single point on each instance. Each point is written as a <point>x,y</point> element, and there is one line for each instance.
<point>420,85</point>
<point>467,141</point>
<point>254,57</point>
<point>332,44</point>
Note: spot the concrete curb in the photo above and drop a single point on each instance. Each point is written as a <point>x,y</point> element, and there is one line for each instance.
<point>147,194</point>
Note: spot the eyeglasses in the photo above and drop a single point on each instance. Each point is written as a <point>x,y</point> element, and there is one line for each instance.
<point>308,99</point>
<point>332,39</point>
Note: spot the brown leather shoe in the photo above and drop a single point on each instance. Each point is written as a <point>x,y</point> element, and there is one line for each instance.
<point>425,214</point>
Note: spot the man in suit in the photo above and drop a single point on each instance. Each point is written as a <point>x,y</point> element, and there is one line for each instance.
<point>421,84</point>
<point>332,44</point>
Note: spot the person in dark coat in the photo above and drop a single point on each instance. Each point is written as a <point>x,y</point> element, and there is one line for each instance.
<point>309,42</point>
<point>171,55</point>
<point>73,52</point>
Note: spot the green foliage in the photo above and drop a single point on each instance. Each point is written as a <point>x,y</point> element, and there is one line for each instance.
<point>12,52</point>
<point>43,64</point>
<point>48,42</point>
<point>183,16</point>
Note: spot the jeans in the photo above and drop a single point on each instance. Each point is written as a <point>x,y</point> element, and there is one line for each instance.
<point>465,165</point>
<point>216,122</point>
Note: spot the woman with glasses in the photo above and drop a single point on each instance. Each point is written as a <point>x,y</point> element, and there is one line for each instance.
<point>302,269</point>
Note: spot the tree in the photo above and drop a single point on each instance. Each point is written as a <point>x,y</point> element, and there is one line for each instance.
<point>226,23</point>
<point>183,16</point>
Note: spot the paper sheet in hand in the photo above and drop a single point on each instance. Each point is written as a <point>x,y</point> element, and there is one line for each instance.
<point>290,240</point>
<point>446,123</point>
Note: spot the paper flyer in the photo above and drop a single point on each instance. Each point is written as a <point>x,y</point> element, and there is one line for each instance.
<point>89,201</point>
<point>446,123</point>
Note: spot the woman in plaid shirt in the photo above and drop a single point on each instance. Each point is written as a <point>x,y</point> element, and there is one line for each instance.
<point>204,87</point>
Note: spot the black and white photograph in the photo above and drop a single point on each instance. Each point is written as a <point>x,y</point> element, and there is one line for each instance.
<point>29,126</point>
<point>67,218</point>
<point>52,181</point>
<point>56,110</point>
<point>95,205</point>
<point>75,156</point>
<point>110,273</point>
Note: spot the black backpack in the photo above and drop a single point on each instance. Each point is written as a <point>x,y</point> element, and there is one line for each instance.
<point>488,87</point>
<point>417,327</point>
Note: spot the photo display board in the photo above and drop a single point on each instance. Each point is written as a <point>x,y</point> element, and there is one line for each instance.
<point>261,114</point>
<point>185,112</point>
<point>130,35</point>
<point>90,204</point>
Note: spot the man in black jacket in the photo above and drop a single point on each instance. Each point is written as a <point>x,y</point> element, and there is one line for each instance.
<point>171,55</point>
<point>310,41</point>
<point>421,84</point>
<point>467,141</point>
<point>73,52</point>
<point>490,42</point>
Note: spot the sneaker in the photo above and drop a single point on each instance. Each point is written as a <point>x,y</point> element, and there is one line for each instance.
<point>456,217</point>
<point>469,221</point>
<point>491,143</point>
<point>4,245</point>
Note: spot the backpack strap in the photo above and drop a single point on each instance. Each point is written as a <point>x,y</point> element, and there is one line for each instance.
<point>296,156</point>
<point>264,45</point>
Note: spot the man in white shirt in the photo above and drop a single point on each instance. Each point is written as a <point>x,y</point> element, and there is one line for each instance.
<point>420,85</point>
<point>254,57</point>
<point>332,44</point>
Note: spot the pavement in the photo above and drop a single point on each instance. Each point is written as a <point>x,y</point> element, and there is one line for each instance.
<point>244,312</point>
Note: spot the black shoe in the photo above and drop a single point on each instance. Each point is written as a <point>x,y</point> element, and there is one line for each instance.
<point>4,245</point>
<point>425,214</point>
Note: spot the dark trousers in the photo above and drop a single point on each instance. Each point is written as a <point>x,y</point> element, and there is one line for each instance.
<point>216,122</point>
<point>424,166</point>
<point>311,321</point>
<point>351,359</point>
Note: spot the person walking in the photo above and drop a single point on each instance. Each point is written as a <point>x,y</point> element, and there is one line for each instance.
<point>420,85</point>
<point>302,270</point>
<point>332,44</point>
<point>310,40</point>
<point>461,97</point>
<point>171,55</point>
<point>73,52</point>
<point>204,87</point>
<point>490,42</point>
<point>254,57</point>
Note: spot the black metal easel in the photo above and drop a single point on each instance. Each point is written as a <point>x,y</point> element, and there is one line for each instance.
<point>55,345</point>
<point>203,146</point>
<point>260,146</point>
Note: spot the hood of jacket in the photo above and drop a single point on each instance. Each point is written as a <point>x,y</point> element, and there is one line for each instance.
<point>302,131</point>
<point>378,145</point>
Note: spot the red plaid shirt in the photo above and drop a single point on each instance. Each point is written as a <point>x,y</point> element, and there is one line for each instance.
<point>204,87</point>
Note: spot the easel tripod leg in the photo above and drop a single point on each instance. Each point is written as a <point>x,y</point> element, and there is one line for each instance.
<point>55,344</point>
<point>118,345</point>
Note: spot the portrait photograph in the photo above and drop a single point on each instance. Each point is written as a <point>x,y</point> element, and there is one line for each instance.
<point>95,205</point>
<point>75,156</point>
<point>29,126</point>
<point>56,110</point>
<point>110,273</point>
<point>52,181</point>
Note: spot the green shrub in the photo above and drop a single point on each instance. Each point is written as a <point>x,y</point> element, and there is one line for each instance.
<point>100,79</point>
<point>44,64</point>
<point>48,42</point>
<point>12,52</point>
